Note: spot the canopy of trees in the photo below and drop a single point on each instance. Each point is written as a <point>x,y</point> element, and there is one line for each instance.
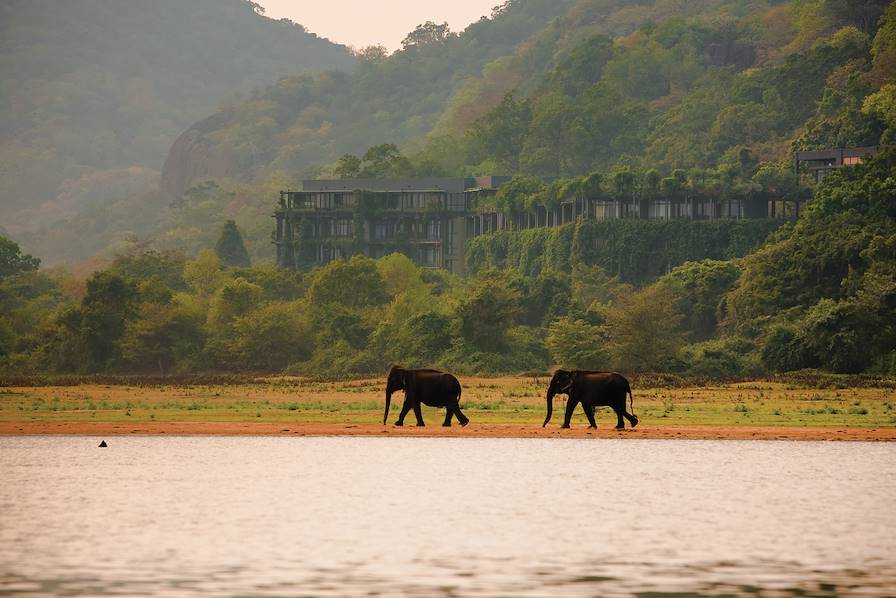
<point>818,293</point>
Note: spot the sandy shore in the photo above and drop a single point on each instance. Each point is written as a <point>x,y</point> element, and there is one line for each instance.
<point>471,431</point>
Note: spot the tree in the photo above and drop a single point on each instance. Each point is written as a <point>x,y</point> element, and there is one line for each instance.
<point>783,351</point>
<point>236,298</point>
<point>105,309</point>
<point>271,337</point>
<point>400,275</point>
<point>146,263</point>
<point>427,34</point>
<point>623,182</point>
<point>415,340</point>
<point>592,185</point>
<point>230,248</point>
<point>375,53</point>
<point>838,333</point>
<point>697,289</point>
<point>487,311</point>
<point>883,48</point>
<point>577,344</point>
<point>547,297</point>
<point>642,330</point>
<point>13,261</point>
<point>592,285</point>
<point>500,134</point>
<point>384,160</point>
<point>882,104</point>
<point>348,166</point>
<point>355,284</point>
<point>161,338</point>
<point>203,273</point>
<point>515,194</point>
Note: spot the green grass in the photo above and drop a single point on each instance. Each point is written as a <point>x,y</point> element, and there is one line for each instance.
<point>501,400</point>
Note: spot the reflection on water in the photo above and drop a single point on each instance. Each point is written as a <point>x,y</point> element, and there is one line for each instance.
<point>469,517</point>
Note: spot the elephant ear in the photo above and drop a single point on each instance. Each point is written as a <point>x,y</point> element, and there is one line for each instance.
<point>570,377</point>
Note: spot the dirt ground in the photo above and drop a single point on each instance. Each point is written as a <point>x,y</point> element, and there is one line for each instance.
<point>689,432</point>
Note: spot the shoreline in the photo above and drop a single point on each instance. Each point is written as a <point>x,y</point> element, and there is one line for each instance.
<point>643,431</point>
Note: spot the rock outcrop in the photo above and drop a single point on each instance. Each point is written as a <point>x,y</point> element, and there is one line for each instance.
<point>194,155</point>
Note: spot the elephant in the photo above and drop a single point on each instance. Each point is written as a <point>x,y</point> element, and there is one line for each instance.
<point>592,389</point>
<point>430,387</point>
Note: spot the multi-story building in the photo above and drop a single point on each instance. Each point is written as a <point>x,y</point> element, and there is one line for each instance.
<point>423,218</point>
<point>430,219</point>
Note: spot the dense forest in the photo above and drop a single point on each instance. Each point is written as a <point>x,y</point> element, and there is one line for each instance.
<point>821,293</point>
<point>94,93</point>
<point>615,97</point>
<point>538,87</point>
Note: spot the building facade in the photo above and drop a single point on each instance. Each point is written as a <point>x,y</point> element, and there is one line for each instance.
<point>423,218</point>
<point>820,163</point>
<point>430,219</point>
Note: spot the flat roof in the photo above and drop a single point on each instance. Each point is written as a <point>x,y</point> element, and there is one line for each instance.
<point>846,152</point>
<point>447,184</point>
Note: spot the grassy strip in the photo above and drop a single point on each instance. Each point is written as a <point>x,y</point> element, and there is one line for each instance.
<point>500,400</point>
<point>802,379</point>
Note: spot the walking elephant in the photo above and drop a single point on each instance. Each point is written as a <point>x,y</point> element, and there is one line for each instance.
<point>591,389</point>
<point>430,387</point>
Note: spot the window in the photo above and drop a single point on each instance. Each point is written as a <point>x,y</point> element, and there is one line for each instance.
<point>659,209</point>
<point>456,202</point>
<point>342,227</point>
<point>733,208</point>
<point>327,254</point>
<point>604,210</point>
<point>431,255</point>
<point>852,160</point>
<point>325,200</point>
<point>380,231</point>
<point>434,230</point>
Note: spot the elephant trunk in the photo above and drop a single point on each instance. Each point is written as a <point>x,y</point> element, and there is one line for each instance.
<point>547,418</point>
<point>388,401</point>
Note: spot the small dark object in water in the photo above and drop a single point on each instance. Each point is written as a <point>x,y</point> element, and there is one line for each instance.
<point>103,444</point>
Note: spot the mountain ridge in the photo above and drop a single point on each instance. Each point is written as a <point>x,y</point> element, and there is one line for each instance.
<point>91,86</point>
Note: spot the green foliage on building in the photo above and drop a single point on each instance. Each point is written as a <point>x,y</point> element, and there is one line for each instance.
<point>634,250</point>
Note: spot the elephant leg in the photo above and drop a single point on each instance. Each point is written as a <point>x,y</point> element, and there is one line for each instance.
<point>570,407</point>
<point>405,408</point>
<point>589,413</point>
<point>631,418</point>
<point>463,419</point>
<point>418,413</point>
<point>620,425</point>
<point>449,413</point>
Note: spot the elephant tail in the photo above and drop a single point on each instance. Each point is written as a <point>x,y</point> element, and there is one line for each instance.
<point>631,402</point>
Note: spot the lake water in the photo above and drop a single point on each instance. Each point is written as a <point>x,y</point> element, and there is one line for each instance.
<point>268,516</point>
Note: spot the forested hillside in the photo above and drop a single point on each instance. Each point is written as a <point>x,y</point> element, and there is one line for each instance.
<point>307,121</point>
<point>718,91</point>
<point>539,87</point>
<point>92,93</point>
<point>821,293</point>
<point>659,84</point>
<point>621,99</point>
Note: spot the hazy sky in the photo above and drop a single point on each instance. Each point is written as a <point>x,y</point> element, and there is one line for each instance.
<point>361,23</point>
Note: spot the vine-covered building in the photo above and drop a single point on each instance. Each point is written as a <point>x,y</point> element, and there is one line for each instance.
<point>430,219</point>
<point>423,218</point>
